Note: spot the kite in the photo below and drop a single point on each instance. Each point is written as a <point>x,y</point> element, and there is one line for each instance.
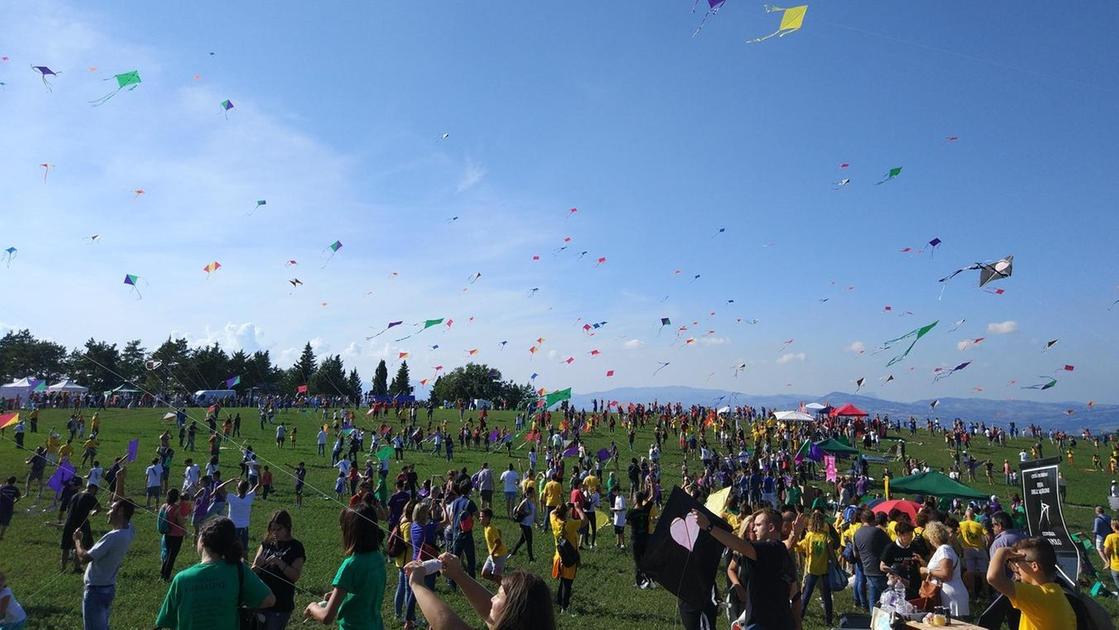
<point>132,281</point>
<point>259,203</point>
<point>226,105</point>
<point>933,404</point>
<point>533,377</point>
<point>738,368</point>
<point>951,138</point>
<point>988,272</point>
<point>916,334</point>
<point>595,352</point>
<point>663,364</point>
<point>932,246</point>
<point>502,343</point>
<point>681,557</point>
<point>957,325</point>
<point>291,262</point>
<point>43,73</point>
<point>231,381</point>
<point>571,212</point>
<point>445,135</point>
<point>665,321</point>
<point>532,291</point>
<point>942,373</point>
<point>1049,344</point>
<point>785,345</point>
<point>435,347</point>
<point>295,282</point>
<point>471,352</point>
<point>967,343</point>
<point>906,250</point>
<point>1052,381</point>
<point>1069,368</point>
<point>890,174</point>
<point>8,419</point>
<point>791,20</point>
<point>92,238</point>
<point>721,230</point>
<point>452,219</point>
<point>211,268</point>
<point>601,260</point>
<point>428,323</point>
<point>583,253</point>
<point>995,291</point>
<point>334,247</point>
<point>402,355</point>
<point>609,373</point>
<point>555,397</point>
<point>569,360</point>
<point>536,257</point>
<point>9,256</point>
<point>474,277</point>
<point>844,165</point>
<point>695,277</point>
<point>390,325</point>
<point>46,169</point>
<point>846,181</point>
<point>532,350</point>
<point>888,379</point>
<point>137,193</point>
<point>712,8</point>
<point>127,80</point>
<point>859,384</point>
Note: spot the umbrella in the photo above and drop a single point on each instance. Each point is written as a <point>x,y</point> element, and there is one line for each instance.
<point>905,505</point>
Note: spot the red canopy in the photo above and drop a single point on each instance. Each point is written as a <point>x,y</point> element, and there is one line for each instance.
<point>847,410</point>
<point>909,507</point>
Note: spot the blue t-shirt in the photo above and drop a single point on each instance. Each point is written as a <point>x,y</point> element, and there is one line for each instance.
<point>1101,526</point>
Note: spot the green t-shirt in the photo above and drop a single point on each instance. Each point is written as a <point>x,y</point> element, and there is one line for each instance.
<point>362,576</point>
<point>205,596</point>
<point>792,495</point>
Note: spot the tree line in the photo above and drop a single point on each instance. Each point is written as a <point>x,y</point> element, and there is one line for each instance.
<point>176,367</point>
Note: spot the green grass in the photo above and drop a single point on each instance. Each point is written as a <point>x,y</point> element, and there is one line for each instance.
<point>603,593</point>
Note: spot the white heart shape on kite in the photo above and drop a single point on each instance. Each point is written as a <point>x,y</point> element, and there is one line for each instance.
<point>684,531</point>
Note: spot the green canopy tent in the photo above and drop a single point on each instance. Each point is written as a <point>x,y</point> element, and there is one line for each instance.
<point>936,484</point>
<point>835,447</point>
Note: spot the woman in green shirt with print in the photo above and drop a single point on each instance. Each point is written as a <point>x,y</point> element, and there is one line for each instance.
<point>359,584</point>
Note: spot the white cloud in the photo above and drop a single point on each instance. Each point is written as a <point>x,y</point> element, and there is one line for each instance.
<point>789,357</point>
<point>633,344</point>
<point>472,173</point>
<point>713,341</point>
<point>857,347</point>
<point>1002,328</point>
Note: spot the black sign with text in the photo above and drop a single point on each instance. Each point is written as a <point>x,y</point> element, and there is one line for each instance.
<point>1041,492</point>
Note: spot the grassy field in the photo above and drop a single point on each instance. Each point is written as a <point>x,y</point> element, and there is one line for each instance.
<point>603,590</point>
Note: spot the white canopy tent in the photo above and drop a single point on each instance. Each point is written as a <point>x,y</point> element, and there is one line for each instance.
<point>20,389</point>
<point>815,407</point>
<point>722,410</point>
<point>66,385</point>
<point>793,416</point>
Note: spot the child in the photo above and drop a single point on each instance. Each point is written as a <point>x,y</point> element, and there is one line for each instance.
<point>292,436</point>
<point>495,562</point>
<point>300,475</point>
<point>340,485</point>
<point>266,483</point>
<point>12,616</point>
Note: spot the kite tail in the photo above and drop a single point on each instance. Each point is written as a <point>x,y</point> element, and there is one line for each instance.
<point>104,99</point>
<point>701,22</point>
<point>762,39</point>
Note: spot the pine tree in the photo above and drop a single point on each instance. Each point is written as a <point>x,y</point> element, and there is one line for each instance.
<point>354,385</point>
<point>400,385</point>
<point>381,380</point>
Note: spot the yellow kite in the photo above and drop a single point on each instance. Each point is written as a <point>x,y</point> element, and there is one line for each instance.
<point>791,20</point>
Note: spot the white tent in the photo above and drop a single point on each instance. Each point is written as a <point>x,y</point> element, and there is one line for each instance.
<point>815,407</point>
<point>66,385</point>
<point>792,416</point>
<point>20,389</point>
<point>722,410</point>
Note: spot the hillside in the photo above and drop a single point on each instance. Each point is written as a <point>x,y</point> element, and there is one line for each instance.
<point>1024,412</point>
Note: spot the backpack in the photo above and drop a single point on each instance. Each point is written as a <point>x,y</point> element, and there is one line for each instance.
<point>396,544</point>
<point>162,525</point>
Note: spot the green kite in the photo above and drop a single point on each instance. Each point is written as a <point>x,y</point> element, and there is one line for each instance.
<point>916,334</point>
<point>127,80</point>
<point>555,397</point>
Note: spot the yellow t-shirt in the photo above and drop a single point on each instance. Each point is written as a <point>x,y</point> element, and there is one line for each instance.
<point>90,444</point>
<point>494,544</point>
<point>1111,549</point>
<point>590,482</point>
<point>65,450</point>
<point>528,483</point>
<point>849,534</point>
<point>816,549</point>
<point>971,534</point>
<point>553,494</point>
<point>406,536</point>
<point>1042,607</point>
<point>890,530</point>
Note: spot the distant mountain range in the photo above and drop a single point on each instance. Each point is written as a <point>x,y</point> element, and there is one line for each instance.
<point>1046,414</point>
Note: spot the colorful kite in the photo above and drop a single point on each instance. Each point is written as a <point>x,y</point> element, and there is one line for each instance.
<point>43,73</point>
<point>890,174</point>
<point>226,105</point>
<point>712,8</point>
<point>609,373</point>
<point>211,268</point>
<point>386,328</point>
<point>402,355</point>
<point>1047,385</point>
<point>988,272</point>
<point>1068,368</point>
<point>791,20</point>
<point>232,381</point>
<point>557,396</point>
<point>428,323</point>
<point>9,256</point>
<point>942,373</point>
<point>132,281</point>
<point>333,247</point>
<point>127,80</point>
<point>916,334</point>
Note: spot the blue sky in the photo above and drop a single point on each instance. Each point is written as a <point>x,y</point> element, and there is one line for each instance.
<point>658,138</point>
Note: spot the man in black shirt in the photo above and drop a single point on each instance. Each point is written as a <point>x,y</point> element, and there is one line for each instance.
<point>773,580</point>
<point>870,541</point>
<point>638,517</point>
<point>82,507</point>
<point>898,558</point>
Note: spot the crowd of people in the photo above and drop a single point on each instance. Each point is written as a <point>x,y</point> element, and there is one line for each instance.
<point>788,526</point>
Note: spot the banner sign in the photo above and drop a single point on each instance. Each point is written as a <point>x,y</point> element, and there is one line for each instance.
<point>1041,493</point>
<point>829,468</point>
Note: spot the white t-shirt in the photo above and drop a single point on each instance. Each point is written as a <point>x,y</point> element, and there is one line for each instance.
<point>240,509</point>
<point>190,475</point>
<point>510,479</point>
<point>953,593</point>
<point>15,612</point>
<point>619,511</point>
<point>154,471</point>
<point>108,554</point>
<point>212,468</point>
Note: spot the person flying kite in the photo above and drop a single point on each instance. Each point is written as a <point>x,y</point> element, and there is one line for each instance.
<point>792,19</point>
<point>127,80</point>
